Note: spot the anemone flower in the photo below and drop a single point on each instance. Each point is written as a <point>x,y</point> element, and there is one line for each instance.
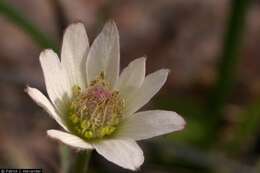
<point>94,104</point>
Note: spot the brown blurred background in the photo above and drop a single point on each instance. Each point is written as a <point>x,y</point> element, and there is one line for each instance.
<point>185,36</point>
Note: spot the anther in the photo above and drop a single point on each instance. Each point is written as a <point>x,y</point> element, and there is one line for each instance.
<point>95,112</point>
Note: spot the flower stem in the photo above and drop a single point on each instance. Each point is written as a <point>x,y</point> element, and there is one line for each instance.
<point>65,154</point>
<point>82,162</point>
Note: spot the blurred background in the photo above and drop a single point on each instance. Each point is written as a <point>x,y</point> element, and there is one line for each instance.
<point>211,47</point>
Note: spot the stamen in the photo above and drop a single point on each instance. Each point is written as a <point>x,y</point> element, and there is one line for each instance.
<point>96,112</point>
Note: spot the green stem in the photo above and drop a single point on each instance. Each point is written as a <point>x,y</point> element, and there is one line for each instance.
<point>65,155</point>
<point>20,20</point>
<point>82,162</point>
<point>228,62</point>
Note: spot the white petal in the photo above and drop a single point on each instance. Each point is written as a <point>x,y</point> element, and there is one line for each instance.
<point>73,54</point>
<point>151,85</point>
<point>104,55</point>
<point>149,124</point>
<point>55,78</point>
<point>43,102</point>
<point>69,139</point>
<point>131,78</point>
<point>123,152</point>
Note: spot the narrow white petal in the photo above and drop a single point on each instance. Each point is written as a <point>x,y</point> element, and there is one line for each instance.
<point>131,78</point>
<point>43,102</point>
<point>69,139</point>
<point>104,55</point>
<point>55,78</point>
<point>149,124</point>
<point>73,53</point>
<point>151,85</point>
<point>123,152</point>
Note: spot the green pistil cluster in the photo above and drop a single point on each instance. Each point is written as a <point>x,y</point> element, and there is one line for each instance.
<point>96,112</point>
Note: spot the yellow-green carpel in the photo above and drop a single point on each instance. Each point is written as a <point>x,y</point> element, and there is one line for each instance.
<point>96,112</point>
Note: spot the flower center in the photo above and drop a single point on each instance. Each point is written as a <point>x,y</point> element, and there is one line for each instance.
<point>96,112</point>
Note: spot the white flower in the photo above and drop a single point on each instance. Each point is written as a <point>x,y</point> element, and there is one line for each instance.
<point>95,105</point>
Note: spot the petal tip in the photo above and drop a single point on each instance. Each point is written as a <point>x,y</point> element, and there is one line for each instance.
<point>45,53</point>
<point>138,167</point>
<point>49,132</point>
<point>111,23</point>
<point>181,123</point>
<point>29,90</point>
<point>166,70</point>
<point>182,127</point>
<point>26,89</point>
<point>75,26</point>
<point>110,26</point>
<point>144,58</point>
